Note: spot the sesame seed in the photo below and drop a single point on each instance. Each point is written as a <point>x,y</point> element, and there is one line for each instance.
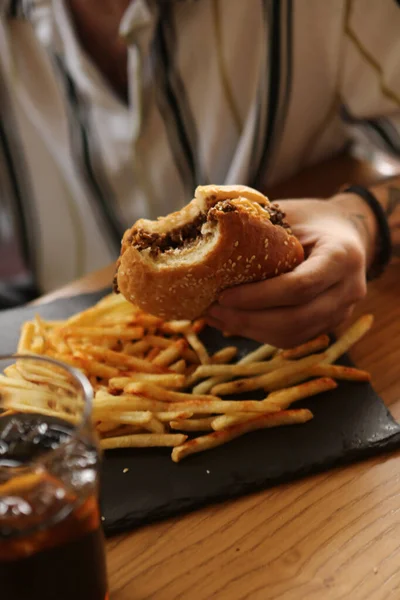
<point>259,266</point>
<point>125,470</point>
<point>276,271</point>
<point>285,242</point>
<point>239,257</point>
<point>236,244</point>
<point>253,257</point>
<point>233,265</point>
<point>266,257</point>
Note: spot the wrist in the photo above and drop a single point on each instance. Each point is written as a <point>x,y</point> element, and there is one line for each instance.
<point>362,217</point>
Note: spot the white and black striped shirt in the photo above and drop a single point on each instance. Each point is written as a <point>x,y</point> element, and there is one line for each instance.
<point>222,91</point>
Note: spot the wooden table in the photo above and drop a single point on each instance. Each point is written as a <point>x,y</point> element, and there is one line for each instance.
<point>331,536</point>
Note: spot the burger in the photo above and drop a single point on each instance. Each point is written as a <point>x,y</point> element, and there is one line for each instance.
<point>176,266</point>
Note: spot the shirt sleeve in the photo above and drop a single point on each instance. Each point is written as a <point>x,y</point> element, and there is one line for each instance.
<point>370,78</point>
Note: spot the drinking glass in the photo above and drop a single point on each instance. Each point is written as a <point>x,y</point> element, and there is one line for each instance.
<point>51,540</point>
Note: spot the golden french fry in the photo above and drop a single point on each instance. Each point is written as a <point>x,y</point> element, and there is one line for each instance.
<point>175,326</point>
<point>260,354</point>
<point>25,341</point>
<point>198,347</point>
<point>341,372</point>
<point>35,408</point>
<point>203,424</point>
<point>190,356</point>
<point>283,398</point>
<point>354,333</point>
<point>170,354</point>
<point>201,407</point>
<point>120,430</point>
<point>147,321</point>
<point>39,339</point>
<point>11,382</point>
<point>132,418</point>
<point>178,367</point>
<point>120,333</point>
<point>135,348</point>
<point>281,377</point>
<point>217,438</point>
<point>205,386</point>
<point>143,440</point>
<point>172,415</point>
<point>104,427</point>
<point>106,404</point>
<point>166,380</point>
<point>236,370</point>
<point>151,390</point>
<point>144,419</point>
<point>152,354</point>
<point>155,426</point>
<point>319,343</point>
<point>225,355</point>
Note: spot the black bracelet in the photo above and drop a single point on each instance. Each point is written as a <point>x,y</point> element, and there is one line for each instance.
<point>384,244</point>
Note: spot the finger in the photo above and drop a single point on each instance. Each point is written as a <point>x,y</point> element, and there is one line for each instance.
<point>323,268</point>
<point>211,322</point>
<point>288,326</point>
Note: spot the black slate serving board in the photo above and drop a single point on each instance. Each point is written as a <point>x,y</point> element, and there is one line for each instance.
<point>350,423</point>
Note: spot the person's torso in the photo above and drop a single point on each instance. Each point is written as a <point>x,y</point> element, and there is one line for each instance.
<point>219,91</point>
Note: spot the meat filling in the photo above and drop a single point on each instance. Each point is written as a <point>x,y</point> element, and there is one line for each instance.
<point>277,215</point>
<point>181,237</point>
<point>176,238</point>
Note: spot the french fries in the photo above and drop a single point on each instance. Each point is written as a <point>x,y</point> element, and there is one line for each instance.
<point>142,369</point>
<point>204,424</point>
<point>281,399</point>
<point>218,438</point>
<point>284,375</point>
<point>143,440</point>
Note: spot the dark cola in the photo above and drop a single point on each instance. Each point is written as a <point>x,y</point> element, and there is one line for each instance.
<point>51,541</point>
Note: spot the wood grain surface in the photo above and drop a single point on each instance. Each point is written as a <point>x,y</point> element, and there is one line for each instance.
<point>331,536</point>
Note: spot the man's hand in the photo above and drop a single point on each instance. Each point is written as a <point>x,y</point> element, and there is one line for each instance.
<point>338,237</point>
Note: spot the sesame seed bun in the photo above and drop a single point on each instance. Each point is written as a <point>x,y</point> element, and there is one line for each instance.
<point>175,267</point>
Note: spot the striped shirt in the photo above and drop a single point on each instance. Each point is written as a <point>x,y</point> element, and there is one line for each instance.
<point>220,91</point>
